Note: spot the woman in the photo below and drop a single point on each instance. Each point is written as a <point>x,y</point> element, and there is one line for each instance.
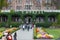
<point>9,36</point>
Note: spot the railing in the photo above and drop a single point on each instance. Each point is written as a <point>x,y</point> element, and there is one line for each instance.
<point>32,10</point>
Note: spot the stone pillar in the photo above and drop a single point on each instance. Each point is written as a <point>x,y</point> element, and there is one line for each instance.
<point>34,19</point>
<point>9,20</point>
<point>1,18</point>
<point>46,18</point>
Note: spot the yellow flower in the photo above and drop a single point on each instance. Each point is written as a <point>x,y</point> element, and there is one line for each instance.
<point>0,32</point>
<point>51,36</point>
<point>14,28</point>
<point>39,36</point>
<point>46,34</point>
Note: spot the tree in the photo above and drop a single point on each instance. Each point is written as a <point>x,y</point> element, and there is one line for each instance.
<point>3,3</point>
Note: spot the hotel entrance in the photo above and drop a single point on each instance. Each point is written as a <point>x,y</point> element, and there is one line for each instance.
<point>28,19</point>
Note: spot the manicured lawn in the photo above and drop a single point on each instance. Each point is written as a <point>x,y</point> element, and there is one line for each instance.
<point>54,32</point>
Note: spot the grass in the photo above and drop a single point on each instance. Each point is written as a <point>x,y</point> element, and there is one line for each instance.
<point>2,29</point>
<point>54,32</point>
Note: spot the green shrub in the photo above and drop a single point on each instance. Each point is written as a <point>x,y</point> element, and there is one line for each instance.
<point>12,11</point>
<point>45,25</point>
<point>15,24</point>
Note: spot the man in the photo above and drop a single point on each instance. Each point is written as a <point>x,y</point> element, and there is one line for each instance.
<point>15,36</point>
<point>28,27</point>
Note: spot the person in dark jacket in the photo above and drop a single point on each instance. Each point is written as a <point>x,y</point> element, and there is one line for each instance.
<point>28,28</point>
<point>15,36</point>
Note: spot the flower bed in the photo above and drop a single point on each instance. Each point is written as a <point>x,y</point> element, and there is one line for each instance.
<point>1,34</point>
<point>40,33</point>
<point>11,30</point>
<point>1,31</point>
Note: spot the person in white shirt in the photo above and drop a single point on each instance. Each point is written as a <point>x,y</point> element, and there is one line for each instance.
<point>23,27</point>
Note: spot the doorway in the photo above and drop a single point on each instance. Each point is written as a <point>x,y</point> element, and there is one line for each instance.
<point>28,20</point>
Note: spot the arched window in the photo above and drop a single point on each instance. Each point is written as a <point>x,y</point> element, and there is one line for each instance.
<point>51,19</point>
<point>39,18</point>
<point>3,18</point>
<point>16,18</point>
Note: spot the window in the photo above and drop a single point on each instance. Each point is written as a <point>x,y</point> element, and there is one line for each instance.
<point>3,18</point>
<point>27,6</point>
<point>38,7</point>
<point>40,19</point>
<point>18,7</point>
<point>9,1</point>
<point>48,1</point>
<point>19,1</point>
<point>28,1</point>
<point>39,1</point>
<point>15,18</point>
<point>9,7</point>
<point>51,19</point>
<point>48,7</point>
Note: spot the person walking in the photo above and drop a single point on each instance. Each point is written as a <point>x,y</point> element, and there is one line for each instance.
<point>15,36</point>
<point>9,36</point>
<point>33,25</point>
<point>28,27</point>
<point>23,27</point>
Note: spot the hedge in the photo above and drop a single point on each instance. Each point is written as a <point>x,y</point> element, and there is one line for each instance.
<point>46,14</point>
<point>46,25</point>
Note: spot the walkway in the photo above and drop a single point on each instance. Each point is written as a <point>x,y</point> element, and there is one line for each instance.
<point>25,35</point>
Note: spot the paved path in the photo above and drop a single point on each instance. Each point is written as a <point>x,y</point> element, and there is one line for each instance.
<point>0,39</point>
<point>25,35</point>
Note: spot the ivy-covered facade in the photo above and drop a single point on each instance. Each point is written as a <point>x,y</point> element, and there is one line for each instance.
<point>39,18</point>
